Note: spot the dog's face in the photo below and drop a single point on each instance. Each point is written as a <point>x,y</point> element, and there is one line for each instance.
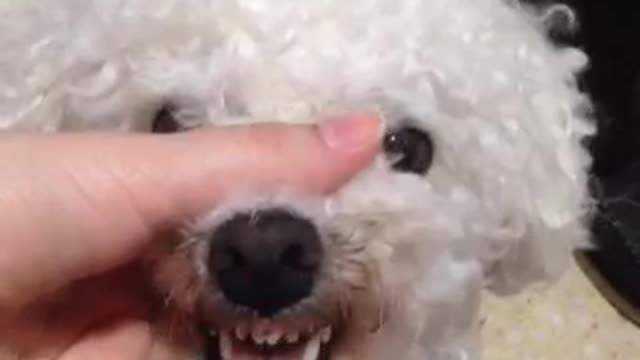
<point>480,181</point>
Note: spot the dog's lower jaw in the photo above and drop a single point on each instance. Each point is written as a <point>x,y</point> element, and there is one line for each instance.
<point>270,340</point>
<point>336,342</point>
<point>347,342</point>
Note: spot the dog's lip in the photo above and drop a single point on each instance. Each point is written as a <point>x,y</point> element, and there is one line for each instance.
<point>269,341</point>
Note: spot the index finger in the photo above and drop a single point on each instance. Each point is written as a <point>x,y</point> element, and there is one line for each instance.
<point>77,205</point>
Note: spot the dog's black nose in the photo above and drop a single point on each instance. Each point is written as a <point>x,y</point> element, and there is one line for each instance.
<point>265,260</point>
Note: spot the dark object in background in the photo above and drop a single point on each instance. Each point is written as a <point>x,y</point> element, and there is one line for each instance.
<point>609,31</point>
<point>614,268</point>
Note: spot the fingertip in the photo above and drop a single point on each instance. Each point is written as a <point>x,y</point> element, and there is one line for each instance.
<point>351,133</point>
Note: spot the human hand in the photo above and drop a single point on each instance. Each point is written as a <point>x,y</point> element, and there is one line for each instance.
<point>76,211</point>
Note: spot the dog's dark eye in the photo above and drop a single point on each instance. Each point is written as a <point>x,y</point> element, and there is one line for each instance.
<point>165,122</point>
<point>411,150</point>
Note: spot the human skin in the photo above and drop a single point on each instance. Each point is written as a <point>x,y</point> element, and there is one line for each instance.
<point>78,210</point>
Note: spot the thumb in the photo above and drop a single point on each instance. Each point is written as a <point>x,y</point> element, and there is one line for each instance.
<point>76,205</point>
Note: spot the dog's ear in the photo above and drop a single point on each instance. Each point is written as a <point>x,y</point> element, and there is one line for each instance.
<point>166,122</point>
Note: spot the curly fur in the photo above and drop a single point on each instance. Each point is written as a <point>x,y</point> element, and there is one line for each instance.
<point>503,206</point>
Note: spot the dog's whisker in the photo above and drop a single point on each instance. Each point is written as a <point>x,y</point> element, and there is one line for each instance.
<point>345,308</point>
<point>188,244</point>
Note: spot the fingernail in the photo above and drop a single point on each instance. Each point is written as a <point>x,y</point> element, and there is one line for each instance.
<point>351,132</point>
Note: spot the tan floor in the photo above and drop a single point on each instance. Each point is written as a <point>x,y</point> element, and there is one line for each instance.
<point>570,321</point>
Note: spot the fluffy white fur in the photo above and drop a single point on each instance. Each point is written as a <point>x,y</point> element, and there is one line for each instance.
<point>502,207</point>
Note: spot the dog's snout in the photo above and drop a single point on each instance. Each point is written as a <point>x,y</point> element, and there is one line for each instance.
<point>266,260</point>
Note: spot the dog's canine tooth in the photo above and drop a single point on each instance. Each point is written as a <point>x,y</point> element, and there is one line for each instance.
<point>312,350</point>
<point>292,337</point>
<point>241,332</point>
<point>226,346</point>
<point>325,334</point>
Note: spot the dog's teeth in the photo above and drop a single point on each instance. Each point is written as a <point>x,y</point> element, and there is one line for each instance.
<point>292,337</point>
<point>312,350</point>
<point>257,336</point>
<point>241,333</point>
<point>226,346</point>
<point>325,334</point>
<point>274,338</point>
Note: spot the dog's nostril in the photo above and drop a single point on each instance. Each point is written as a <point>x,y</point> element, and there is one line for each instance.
<point>235,258</point>
<point>293,257</point>
<point>266,260</point>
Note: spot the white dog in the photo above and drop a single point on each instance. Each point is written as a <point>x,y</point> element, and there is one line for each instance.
<point>482,184</point>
